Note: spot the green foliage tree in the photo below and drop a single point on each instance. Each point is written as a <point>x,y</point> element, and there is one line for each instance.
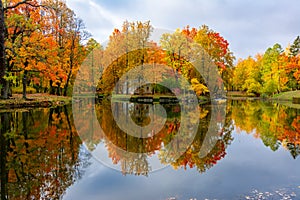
<point>247,75</point>
<point>273,72</point>
<point>271,69</point>
<point>295,47</point>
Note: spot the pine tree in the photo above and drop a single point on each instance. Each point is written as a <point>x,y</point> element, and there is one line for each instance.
<point>295,47</point>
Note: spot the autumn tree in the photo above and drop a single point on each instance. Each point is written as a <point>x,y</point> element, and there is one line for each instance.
<point>126,49</point>
<point>68,32</point>
<point>273,72</point>
<point>216,47</point>
<point>92,67</point>
<point>247,75</point>
<point>292,66</point>
<point>26,44</point>
<point>176,46</point>
<point>4,84</point>
<point>189,54</point>
<point>114,49</point>
<point>43,46</point>
<point>76,52</point>
<point>179,53</point>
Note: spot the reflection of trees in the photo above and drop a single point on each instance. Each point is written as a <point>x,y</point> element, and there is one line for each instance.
<point>276,125</point>
<point>119,143</point>
<point>40,154</point>
<point>192,156</point>
<point>140,113</point>
<point>86,122</point>
<point>130,163</point>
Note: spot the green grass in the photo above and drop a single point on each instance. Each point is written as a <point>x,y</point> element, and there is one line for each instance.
<point>286,96</point>
<point>121,96</point>
<point>19,90</point>
<point>239,94</point>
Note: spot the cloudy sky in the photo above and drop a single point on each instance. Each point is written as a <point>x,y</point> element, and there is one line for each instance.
<point>249,26</point>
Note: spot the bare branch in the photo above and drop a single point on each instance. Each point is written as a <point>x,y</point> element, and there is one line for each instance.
<point>15,6</point>
<point>27,2</point>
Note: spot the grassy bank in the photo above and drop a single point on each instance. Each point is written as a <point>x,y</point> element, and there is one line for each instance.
<point>233,94</point>
<point>34,100</point>
<point>286,96</point>
<point>45,100</point>
<point>238,95</point>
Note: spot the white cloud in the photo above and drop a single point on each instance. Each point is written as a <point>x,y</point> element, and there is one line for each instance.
<point>249,26</point>
<point>99,21</point>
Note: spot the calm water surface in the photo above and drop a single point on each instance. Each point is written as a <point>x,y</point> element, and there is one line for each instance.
<point>253,153</point>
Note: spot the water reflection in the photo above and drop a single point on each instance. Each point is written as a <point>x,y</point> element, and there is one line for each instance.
<point>249,166</point>
<point>179,142</point>
<point>276,125</point>
<point>40,153</point>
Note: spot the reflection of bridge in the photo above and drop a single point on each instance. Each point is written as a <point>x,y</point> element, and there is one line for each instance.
<point>151,99</point>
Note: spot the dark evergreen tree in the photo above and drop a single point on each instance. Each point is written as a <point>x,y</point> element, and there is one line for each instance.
<point>295,47</point>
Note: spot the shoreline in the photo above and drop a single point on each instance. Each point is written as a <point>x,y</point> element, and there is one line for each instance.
<point>34,101</point>
<point>47,101</point>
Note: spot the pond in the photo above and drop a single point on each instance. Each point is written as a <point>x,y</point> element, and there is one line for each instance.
<point>225,150</point>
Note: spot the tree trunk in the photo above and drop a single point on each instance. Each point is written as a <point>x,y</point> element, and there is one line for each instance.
<point>68,79</point>
<point>2,54</point>
<point>5,89</point>
<point>71,67</point>
<point>58,90</point>
<point>24,84</point>
<point>52,88</point>
<point>67,83</point>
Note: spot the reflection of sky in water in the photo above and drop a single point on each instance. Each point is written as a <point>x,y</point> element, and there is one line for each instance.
<point>101,154</point>
<point>249,165</point>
